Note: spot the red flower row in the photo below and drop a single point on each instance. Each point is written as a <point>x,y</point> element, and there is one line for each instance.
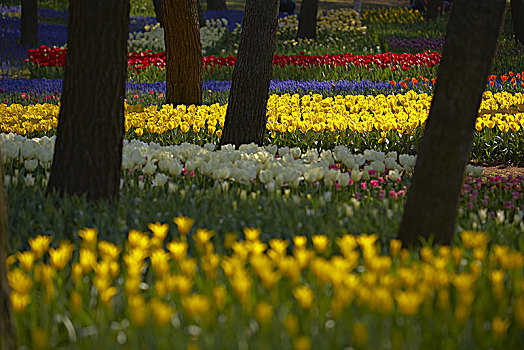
<point>55,57</point>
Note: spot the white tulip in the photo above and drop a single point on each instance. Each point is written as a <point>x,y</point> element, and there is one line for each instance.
<point>328,156</point>
<point>378,166</point>
<point>331,176</point>
<point>360,160</point>
<point>159,180</point>
<point>295,152</point>
<point>248,148</point>
<point>271,186</point>
<point>272,149</point>
<point>477,171</point>
<point>221,173</point>
<point>343,179</point>
<point>356,174</point>
<point>28,149</point>
<point>149,168</point>
<point>279,180</point>
<point>31,164</point>
<point>393,175</point>
<point>283,151</point>
<point>393,155</point>
<point>265,176</point>
<point>310,156</point>
<point>349,162</point>
<point>392,164</point>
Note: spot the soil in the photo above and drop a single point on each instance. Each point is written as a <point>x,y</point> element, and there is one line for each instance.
<point>504,170</point>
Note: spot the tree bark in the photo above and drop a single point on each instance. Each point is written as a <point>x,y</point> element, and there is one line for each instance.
<point>7,330</point>
<point>433,9</point>
<point>357,6</point>
<point>307,21</point>
<point>517,16</point>
<point>246,115</point>
<point>216,5</point>
<point>183,53</point>
<point>201,19</point>
<point>88,149</point>
<point>159,12</point>
<point>432,201</point>
<point>29,23</point>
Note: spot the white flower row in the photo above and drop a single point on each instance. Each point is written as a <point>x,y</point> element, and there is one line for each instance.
<point>153,37</point>
<point>271,165</point>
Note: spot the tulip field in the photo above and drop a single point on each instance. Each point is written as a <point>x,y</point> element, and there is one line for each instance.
<point>288,245</point>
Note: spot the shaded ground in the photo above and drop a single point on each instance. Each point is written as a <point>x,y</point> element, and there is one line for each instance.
<point>503,170</point>
<point>328,4</point>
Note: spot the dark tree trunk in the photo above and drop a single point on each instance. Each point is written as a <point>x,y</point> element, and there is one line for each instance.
<point>7,330</point>
<point>357,6</point>
<point>216,5</point>
<point>246,112</point>
<point>159,12</point>
<point>307,21</point>
<point>88,149</point>
<point>183,53</point>
<point>432,202</point>
<point>201,19</point>
<point>29,23</point>
<point>517,16</point>
<point>434,8</point>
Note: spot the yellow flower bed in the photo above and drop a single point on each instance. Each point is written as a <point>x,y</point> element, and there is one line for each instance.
<point>288,114</point>
<point>153,281</point>
<point>401,15</point>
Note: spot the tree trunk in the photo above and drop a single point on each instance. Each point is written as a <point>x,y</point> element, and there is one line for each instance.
<point>434,8</point>
<point>159,12</point>
<point>517,16</point>
<point>29,23</point>
<point>201,19</point>
<point>246,115</point>
<point>357,6</point>
<point>7,330</point>
<point>432,202</point>
<point>216,5</point>
<point>307,21</point>
<point>183,53</point>
<point>88,148</point>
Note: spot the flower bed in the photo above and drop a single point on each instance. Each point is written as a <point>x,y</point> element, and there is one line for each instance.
<point>389,123</point>
<point>33,91</point>
<point>45,56</point>
<point>278,255</point>
<point>313,293</point>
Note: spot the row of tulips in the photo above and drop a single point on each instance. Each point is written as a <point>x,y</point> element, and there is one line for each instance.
<point>206,291</point>
<point>33,91</point>
<point>391,15</point>
<point>402,113</point>
<point>269,166</point>
<point>55,57</point>
<point>272,166</point>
